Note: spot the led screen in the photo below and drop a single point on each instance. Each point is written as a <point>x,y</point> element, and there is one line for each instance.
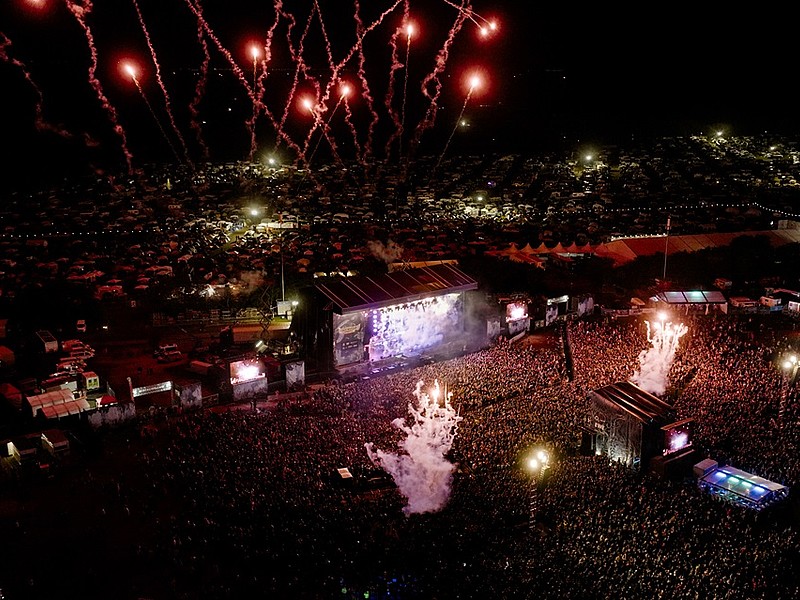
<point>677,437</point>
<point>247,370</point>
<point>516,311</point>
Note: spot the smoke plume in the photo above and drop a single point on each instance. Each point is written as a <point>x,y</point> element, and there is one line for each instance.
<point>655,362</point>
<point>422,474</point>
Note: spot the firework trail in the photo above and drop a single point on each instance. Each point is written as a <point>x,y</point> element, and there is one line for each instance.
<point>324,32</point>
<point>80,12</point>
<point>319,109</point>
<point>297,55</point>
<point>259,83</point>
<point>389,100</point>
<point>452,133</point>
<point>321,106</point>
<point>291,22</point>
<point>409,31</point>
<point>238,72</point>
<point>334,76</point>
<point>132,73</point>
<point>349,120</point>
<point>326,127</point>
<point>223,50</point>
<point>398,120</point>
<point>40,123</point>
<point>160,81</point>
<point>432,79</point>
<point>485,26</point>
<point>365,91</point>
<point>355,48</point>
<point>310,77</point>
<point>199,92</point>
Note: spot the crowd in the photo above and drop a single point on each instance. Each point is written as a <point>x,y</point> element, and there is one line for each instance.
<point>248,503</point>
<point>244,503</point>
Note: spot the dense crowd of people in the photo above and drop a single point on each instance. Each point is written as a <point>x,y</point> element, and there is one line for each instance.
<point>230,503</point>
<point>246,502</point>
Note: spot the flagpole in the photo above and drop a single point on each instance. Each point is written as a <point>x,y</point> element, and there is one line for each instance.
<point>666,247</point>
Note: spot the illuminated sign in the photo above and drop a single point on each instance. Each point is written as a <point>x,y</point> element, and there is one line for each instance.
<point>146,390</point>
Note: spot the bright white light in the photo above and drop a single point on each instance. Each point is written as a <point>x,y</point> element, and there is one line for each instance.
<point>679,441</point>
<point>517,312</point>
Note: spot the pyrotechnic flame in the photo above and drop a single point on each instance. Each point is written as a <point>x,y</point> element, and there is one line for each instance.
<point>311,70</point>
<point>81,12</point>
<point>130,70</point>
<point>423,475</point>
<point>656,362</point>
<point>162,87</point>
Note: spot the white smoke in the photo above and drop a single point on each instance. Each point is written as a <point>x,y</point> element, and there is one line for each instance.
<point>389,253</point>
<point>423,475</point>
<point>251,279</point>
<point>655,362</point>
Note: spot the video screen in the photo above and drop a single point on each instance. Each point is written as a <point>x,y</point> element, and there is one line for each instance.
<point>516,311</point>
<point>412,327</point>
<point>677,436</point>
<point>243,371</point>
<point>348,338</point>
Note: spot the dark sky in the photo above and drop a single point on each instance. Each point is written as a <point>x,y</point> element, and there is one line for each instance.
<point>552,72</point>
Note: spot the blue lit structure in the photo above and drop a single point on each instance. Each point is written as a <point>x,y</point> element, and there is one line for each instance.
<point>737,486</point>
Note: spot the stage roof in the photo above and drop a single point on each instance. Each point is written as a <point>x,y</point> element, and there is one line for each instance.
<point>348,294</point>
<point>692,297</point>
<point>642,405</point>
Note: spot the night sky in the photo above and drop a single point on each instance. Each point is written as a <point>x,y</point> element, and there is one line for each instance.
<point>550,74</point>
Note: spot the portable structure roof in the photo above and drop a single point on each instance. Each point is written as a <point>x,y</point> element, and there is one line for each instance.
<point>746,488</point>
<point>642,405</point>
<point>692,297</point>
<point>349,294</point>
